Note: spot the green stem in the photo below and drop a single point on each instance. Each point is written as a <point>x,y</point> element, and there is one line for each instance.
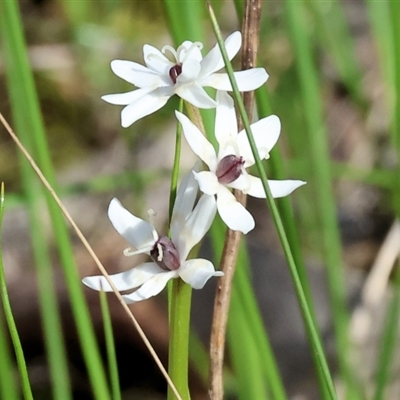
<point>179,325</point>
<point>180,295</point>
<point>307,316</point>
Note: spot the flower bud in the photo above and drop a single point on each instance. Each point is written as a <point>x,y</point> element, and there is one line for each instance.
<point>165,255</point>
<point>174,72</point>
<point>229,169</point>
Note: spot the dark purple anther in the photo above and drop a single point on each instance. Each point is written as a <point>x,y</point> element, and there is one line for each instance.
<point>229,169</point>
<point>174,72</point>
<point>169,259</point>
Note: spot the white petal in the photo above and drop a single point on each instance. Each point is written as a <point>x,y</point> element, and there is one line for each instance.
<point>126,98</point>
<point>186,196</point>
<point>144,106</point>
<point>278,188</point>
<point>195,94</point>
<point>234,214</point>
<point>195,53</point>
<point>151,287</point>
<point>156,60</point>
<point>184,203</point>
<point>197,272</point>
<point>213,61</point>
<point>208,182</point>
<point>126,280</point>
<point>196,226</point>
<point>242,183</point>
<point>190,71</point>
<point>225,119</point>
<point>136,74</point>
<point>134,230</point>
<point>247,80</point>
<point>199,144</point>
<point>266,133</point>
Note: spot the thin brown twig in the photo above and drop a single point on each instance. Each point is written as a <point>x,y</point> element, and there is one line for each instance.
<point>92,254</point>
<point>250,29</point>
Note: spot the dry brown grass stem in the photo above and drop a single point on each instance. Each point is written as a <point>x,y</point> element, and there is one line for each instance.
<point>92,254</point>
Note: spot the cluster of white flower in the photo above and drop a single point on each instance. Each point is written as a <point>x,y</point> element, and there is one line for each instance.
<point>186,76</point>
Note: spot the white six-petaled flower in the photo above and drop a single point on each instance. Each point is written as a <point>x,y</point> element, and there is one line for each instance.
<point>227,168</point>
<point>185,76</point>
<point>189,224</point>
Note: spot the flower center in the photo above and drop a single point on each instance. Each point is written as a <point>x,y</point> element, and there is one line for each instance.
<point>165,255</point>
<point>229,169</point>
<point>180,55</point>
<point>174,72</point>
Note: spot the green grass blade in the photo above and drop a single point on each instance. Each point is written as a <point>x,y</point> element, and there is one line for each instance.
<point>381,24</point>
<point>8,386</point>
<point>265,367</point>
<point>388,342</point>
<point>316,343</point>
<point>321,183</point>
<point>32,126</point>
<point>275,163</point>
<point>245,359</point>
<point>110,347</point>
<point>334,34</point>
<point>19,353</point>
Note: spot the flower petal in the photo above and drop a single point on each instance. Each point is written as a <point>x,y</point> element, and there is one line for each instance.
<point>247,80</point>
<point>225,119</point>
<point>190,71</point>
<point>134,230</point>
<point>213,61</point>
<point>196,226</point>
<point>278,188</point>
<point>208,182</point>
<point>242,183</point>
<point>136,74</point>
<point>195,94</point>
<point>156,60</point>
<point>126,280</point>
<point>266,133</point>
<point>151,287</point>
<point>186,195</point>
<point>184,202</point>
<point>234,214</point>
<point>197,272</point>
<point>195,53</point>
<point>142,107</point>
<point>126,98</point>
<point>199,144</point>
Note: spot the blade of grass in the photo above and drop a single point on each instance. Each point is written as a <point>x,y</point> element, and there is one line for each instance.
<point>248,383</point>
<point>316,344</point>
<point>19,353</point>
<point>110,347</point>
<point>244,300</point>
<point>319,158</point>
<point>334,35</point>
<point>275,163</point>
<point>381,23</point>
<point>390,331</point>
<point>8,386</point>
<point>30,119</point>
<point>388,342</point>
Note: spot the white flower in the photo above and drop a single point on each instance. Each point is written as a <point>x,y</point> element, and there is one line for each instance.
<point>188,226</point>
<point>227,168</point>
<point>185,76</point>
